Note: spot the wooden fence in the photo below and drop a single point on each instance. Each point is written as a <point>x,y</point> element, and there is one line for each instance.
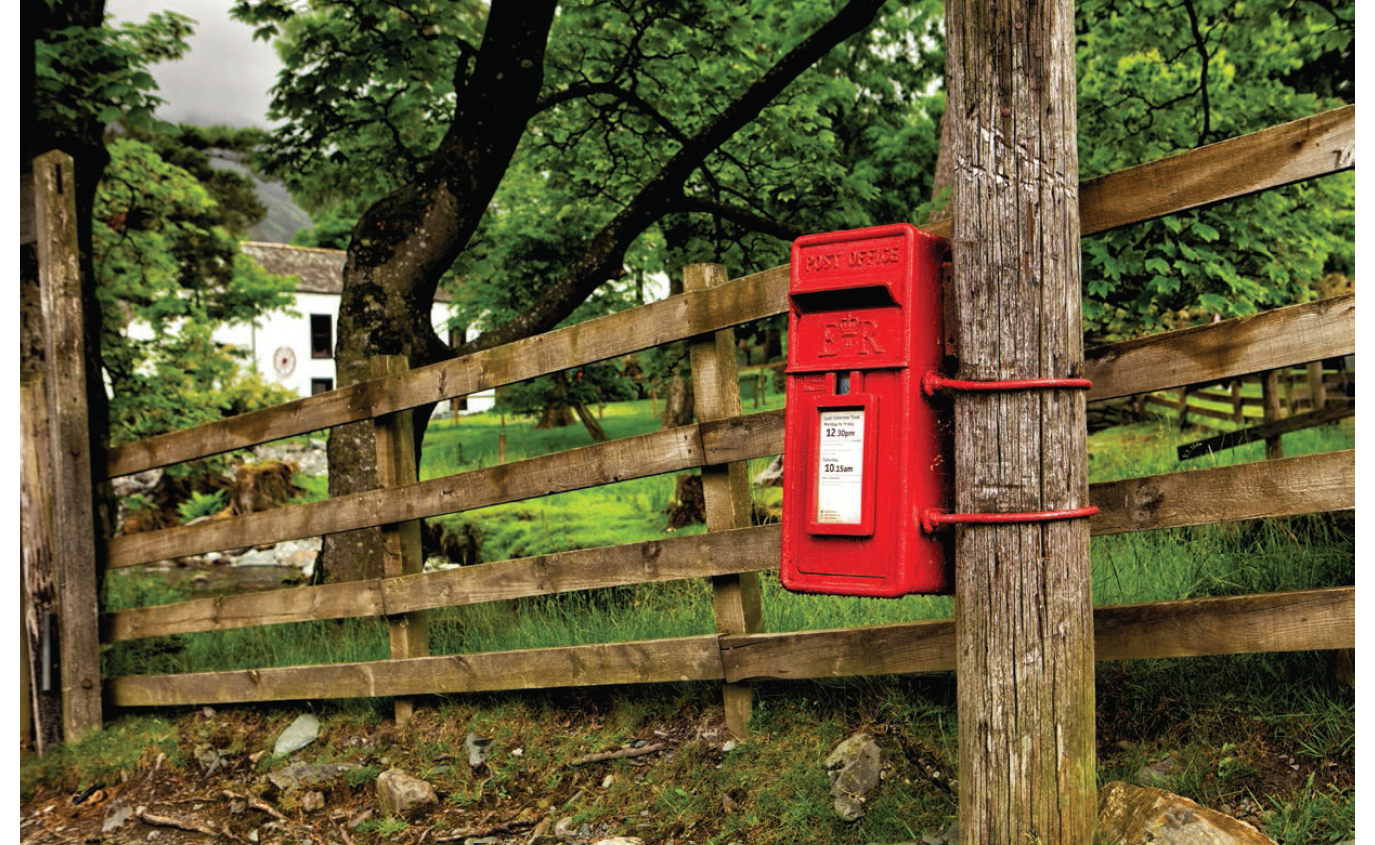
<point>1260,397</point>
<point>731,554</point>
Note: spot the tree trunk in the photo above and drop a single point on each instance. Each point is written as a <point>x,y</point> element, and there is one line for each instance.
<point>678,403</point>
<point>1024,616</point>
<point>405,242</point>
<point>590,422</point>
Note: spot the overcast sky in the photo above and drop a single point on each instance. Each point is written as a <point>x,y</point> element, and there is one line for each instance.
<point>225,76</point>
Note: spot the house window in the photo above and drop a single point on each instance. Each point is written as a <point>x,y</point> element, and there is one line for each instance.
<point>321,385</point>
<point>321,336</point>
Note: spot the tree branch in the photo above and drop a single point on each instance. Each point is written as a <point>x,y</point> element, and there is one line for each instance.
<point>604,254</point>
<point>743,217</point>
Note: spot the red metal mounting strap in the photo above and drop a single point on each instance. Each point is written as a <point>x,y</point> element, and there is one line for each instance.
<point>933,381</point>
<point>932,519</point>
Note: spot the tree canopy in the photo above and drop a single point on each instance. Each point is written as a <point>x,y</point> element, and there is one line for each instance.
<point>1158,77</point>
<point>166,260</point>
<point>158,222</point>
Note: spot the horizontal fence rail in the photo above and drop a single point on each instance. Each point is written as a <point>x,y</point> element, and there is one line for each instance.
<point>1288,487</point>
<point>1304,149</point>
<point>1300,621</point>
<point>1221,350</point>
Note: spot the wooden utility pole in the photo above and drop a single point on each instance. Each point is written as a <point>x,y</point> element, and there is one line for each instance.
<point>57,511</point>
<point>1024,615</point>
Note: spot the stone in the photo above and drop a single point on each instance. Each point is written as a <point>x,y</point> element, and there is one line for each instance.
<point>949,837</point>
<point>1144,815</point>
<point>402,795</point>
<point>477,747</point>
<point>298,775</point>
<point>298,735</point>
<point>854,768</point>
<point>312,801</point>
<point>1160,772</point>
<point>116,814</point>
<point>620,840</point>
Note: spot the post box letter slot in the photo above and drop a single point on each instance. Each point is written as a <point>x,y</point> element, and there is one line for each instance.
<point>835,299</point>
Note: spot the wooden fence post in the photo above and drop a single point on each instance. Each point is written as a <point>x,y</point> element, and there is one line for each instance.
<point>1317,391</point>
<point>59,490</point>
<point>401,545</point>
<point>1024,638</point>
<point>725,487</point>
<point>1270,397</point>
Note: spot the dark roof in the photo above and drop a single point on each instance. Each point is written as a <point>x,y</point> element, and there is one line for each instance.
<point>320,270</point>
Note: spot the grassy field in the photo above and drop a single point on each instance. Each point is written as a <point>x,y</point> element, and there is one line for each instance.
<point>1269,737</point>
<point>1210,560</point>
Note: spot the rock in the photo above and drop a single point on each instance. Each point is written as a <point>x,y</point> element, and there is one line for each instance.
<point>854,768</point>
<point>403,795</point>
<point>477,749</point>
<point>1160,772</point>
<point>298,735</point>
<point>116,814</point>
<point>312,801</point>
<point>1137,815</point>
<point>566,828</point>
<point>620,840</point>
<point>949,837</point>
<point>298,775</point>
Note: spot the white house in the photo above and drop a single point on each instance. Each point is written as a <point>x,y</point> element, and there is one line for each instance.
<point>298,351</point>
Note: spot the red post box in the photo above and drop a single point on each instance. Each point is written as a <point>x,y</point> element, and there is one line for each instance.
<point>864,452</point>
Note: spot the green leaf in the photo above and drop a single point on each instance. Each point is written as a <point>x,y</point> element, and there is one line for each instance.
<point>1204,231</point>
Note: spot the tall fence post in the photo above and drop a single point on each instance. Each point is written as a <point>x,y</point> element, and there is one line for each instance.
<point>1270,399</point>
<point>60,553</point>
<point>1024,639</point>
<point>402,553</point>
<point>725,487</point>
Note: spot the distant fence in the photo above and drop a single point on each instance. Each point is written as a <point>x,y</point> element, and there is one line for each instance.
<point>724,438</point>
<point>1260,397</point>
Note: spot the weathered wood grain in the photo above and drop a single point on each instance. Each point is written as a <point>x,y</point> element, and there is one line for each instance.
<point>1307,620</point>
<point>652,661</point>
<point>1299,621</point>
<point>1023,632</point>
<point>394,439</point>
<point>675,559</point>
<point>1308,484</point>
<point>71,487</point>
<point>1307,148</point>
<point>590,466</point>
<point>1278,338</point>
<point>1280,155</point>
<point>37,576</point>
<point>725,486</point>
<point>734,439</point>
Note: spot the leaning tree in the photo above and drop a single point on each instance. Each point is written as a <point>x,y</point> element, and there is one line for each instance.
<point>699,121</point>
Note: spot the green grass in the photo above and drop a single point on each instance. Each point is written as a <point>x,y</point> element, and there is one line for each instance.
<point>1226,559</point>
